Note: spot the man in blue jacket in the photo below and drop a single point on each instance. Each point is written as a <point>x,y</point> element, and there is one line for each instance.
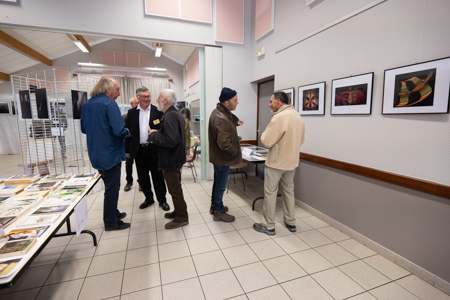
<point>105,131</point>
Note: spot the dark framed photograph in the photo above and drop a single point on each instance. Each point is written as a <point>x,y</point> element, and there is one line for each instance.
<point>352,95</point>
<point>417,89</point>
<point>78,100</point>
<point>291,95</point>
<point>311,99</point>
<point>25,104</point>
<point>41,103</point>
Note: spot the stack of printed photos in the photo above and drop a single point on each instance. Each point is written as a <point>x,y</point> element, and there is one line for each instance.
<point>31,194</point>
<point>66,192</point>
<point>22,179</point>
<point>15,207</point>
<point>11,190</point>
<point>39,220</point>
<point>41,186</point>
<point>61,177</point>
<point>78,181</point>
<point>5,221</point>
<point>3,199</point>
<point>8,267</point>
<point>16,248</point>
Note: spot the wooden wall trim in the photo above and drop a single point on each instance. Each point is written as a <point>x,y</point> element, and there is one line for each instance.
<point>429,187</point>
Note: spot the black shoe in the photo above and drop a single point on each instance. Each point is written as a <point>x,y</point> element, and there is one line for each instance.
<point>146,204</point>
<point>164,206</point>
<point>119,226</point>
<point>291,228</point>
<point>261,228</point>
<point>122,215</point>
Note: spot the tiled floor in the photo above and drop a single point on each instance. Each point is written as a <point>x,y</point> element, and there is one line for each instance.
<point>207,259</point>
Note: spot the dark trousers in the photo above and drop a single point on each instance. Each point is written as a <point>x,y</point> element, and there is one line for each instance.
<point>144,164</point>
<point>219,186</point>
<point>129,170</point>
<point>111,179</point>
<point>173,180</point>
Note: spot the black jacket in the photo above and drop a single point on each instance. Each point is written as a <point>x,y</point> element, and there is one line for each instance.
<point>132,123</point>
<point>171,139</point>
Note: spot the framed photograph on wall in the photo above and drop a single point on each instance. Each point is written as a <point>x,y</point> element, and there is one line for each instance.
<point>352,95</point>
<point>417,89</point>
<point>290,92</point>
<point>311,99</point>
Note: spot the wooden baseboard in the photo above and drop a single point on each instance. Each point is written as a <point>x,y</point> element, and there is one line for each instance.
<point>429,187</point>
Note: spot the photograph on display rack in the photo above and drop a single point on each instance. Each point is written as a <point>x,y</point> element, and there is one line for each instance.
<point>41,103</point>
<point>78,100</point>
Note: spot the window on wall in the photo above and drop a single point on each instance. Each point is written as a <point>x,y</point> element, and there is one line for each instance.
<point>191,10</point>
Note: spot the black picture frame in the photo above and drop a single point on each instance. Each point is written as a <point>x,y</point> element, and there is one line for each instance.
<point>41,103</point>
<point>352,95</point>
<point>311,99</point>
<point>78,100</point>
<point>290,92</point>
<point>25,104</point>
<point>421,88</point>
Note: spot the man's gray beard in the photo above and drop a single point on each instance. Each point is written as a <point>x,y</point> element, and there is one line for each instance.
<point>159,107</point>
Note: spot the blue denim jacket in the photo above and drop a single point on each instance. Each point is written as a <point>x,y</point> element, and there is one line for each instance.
<point>105,130</point>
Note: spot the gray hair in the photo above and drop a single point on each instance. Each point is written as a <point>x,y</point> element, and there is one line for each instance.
<point>170,95</point>
<point>104,85</point>
<point>141,89</point>
<point>131,100</point>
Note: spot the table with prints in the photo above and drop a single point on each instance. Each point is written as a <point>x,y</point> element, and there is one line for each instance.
<point>44,239</point>
<point>256,155</point>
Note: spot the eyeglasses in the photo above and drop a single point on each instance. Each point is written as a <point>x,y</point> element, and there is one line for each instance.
<point>146,97</point>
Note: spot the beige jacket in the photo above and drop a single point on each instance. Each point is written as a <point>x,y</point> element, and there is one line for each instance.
<point>284,136</point>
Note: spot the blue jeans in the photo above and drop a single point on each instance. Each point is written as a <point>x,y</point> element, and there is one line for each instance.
<point>219,186</point>
<point>111,179</point>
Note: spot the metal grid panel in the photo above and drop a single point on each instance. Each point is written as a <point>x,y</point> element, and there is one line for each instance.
<point>54,145</point>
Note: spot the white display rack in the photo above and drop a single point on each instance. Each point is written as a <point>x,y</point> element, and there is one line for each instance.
<point>52,145</point>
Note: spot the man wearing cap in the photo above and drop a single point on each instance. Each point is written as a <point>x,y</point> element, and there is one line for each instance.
<point>224,150</point>
<point>283,136</point>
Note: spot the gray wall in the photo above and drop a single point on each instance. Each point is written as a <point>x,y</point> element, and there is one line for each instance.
<point>410,223</point>
<point>391,34</point>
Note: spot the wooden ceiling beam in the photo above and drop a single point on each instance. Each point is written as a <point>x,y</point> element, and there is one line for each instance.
<point>11,42</point>
<point>4,77</point>
<point>83,41</point>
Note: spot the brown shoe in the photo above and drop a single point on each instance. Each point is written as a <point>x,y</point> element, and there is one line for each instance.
<point>223,217</point>
<point>175,224</point>
<point>127,187</point>
<point>170,215</point>
<point>212,211</point>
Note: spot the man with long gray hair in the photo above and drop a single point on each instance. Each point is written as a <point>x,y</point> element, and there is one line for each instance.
<point>140,120</point>
<point>171,139</point>
<point>105,132</point>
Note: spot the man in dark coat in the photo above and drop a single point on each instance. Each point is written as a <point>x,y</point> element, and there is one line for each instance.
<point>171,139</point>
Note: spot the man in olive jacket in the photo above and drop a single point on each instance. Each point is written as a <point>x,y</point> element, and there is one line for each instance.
<point>224,150</point>
<point>283,136</point>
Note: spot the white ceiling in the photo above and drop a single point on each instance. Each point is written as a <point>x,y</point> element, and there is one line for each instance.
<point>54,45</point>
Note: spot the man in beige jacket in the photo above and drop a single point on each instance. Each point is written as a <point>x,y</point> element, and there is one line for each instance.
<point>283,136</point>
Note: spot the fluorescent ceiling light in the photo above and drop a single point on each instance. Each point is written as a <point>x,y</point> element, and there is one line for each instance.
<point>81,46</point>
<point>158,51</point>
<point>123,68</point>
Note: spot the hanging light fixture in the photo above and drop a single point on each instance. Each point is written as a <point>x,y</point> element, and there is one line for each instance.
<point>158,50</point>
<point>121,68</point>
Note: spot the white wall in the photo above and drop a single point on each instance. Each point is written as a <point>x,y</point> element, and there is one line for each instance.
<point>392,34</point>
<point>126,19</point>
<point>71,61</point>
